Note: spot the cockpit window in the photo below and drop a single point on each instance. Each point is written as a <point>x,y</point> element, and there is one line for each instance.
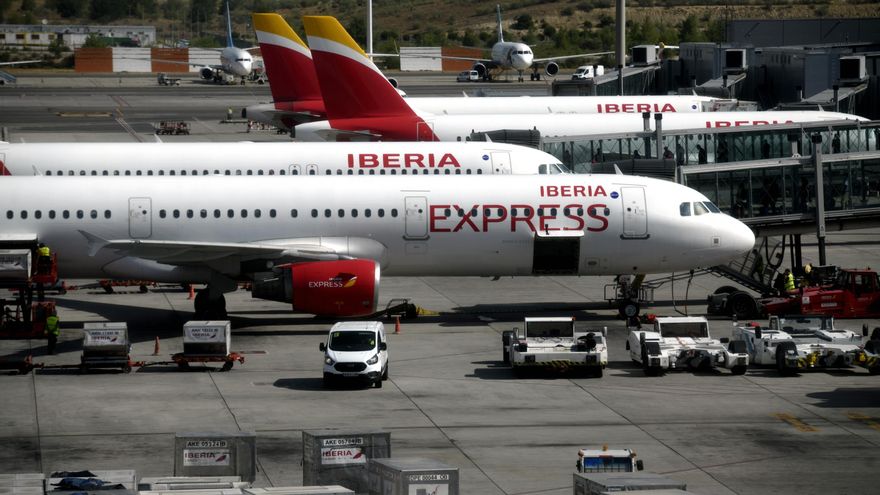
<point>551,169</point>
<point>700,209</point>
<point>684,209</point>
<point>353,341</point>
<point>711,206</point>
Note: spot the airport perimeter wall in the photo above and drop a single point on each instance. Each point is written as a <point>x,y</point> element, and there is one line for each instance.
<point>118,59</point>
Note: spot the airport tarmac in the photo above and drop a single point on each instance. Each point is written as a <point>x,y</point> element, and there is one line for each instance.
<point>448,396</point>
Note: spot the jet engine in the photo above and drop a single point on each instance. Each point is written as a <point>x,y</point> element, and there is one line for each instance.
<point>326,288</point>
<point>393,82</point>
<point>552,68</point>
<point>206,73</point>
<point>481,70</point>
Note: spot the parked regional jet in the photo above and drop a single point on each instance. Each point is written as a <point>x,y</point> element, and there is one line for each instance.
<point>146,159</point>
<point>320,243</point>
<point>362,105</point>
<point>297,96</point>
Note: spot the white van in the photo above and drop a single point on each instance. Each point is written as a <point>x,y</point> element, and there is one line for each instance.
<point>586,72</point>
<point>468,76</point>
<point>356,350</point>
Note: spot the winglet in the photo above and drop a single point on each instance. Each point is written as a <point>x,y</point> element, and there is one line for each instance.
<point>351,84</point>
<point>287,59</point>
<point>95,243</point>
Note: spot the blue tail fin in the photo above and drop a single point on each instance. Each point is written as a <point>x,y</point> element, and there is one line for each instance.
<point>228,26</point>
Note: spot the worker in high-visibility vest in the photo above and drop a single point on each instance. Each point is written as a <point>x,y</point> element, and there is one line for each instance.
<point>44,258</point>
<point>53,330</point>
<point>789,280</point>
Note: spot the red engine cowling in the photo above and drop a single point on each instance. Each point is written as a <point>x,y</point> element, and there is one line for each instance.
<point>326,288</point>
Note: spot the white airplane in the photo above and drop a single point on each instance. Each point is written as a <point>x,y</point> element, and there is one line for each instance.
<point>321,243</point>
<point>296,93</point>
<point>362,105</point>
<point>507,55</point>
<point>391,158</point>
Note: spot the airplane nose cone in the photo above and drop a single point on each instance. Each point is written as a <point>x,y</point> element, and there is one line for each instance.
<point>741,239</point>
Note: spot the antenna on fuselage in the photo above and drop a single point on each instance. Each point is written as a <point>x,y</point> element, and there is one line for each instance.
<point>500,30</point>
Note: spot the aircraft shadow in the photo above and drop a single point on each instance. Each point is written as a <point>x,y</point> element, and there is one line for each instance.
<point>848,397</point>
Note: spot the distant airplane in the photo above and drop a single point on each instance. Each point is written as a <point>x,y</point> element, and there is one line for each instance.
<point>362,105</point>
<point>321,243</point>
<point>507,55</point>
<point>281,159</point>
<point>297,95</point>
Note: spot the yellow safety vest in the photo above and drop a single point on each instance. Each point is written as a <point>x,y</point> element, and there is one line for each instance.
<point>43,251</point>
<point>789,282</point>
<point>52,326</point>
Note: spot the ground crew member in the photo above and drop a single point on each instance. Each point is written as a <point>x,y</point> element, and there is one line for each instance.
<point>52,331</point>
<point>789,280</point>
<point>44,258</point>
<point>229,113</point>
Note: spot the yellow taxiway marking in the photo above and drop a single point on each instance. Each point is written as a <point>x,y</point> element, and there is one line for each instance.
<point>796,422</point>
<point>867,420</point>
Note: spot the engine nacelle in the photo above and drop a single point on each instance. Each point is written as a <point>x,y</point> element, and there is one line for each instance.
<point>206,73</point>
<point>393,82</point>
<point>552,68</point>
<point>326,288</point>
<point>481,69</point>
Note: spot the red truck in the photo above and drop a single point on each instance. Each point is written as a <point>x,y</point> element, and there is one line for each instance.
<point>854,293</point>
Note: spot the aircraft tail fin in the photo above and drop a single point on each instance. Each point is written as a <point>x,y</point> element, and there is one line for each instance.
<point>287,59</point>
<point>351,84</point>
<point>228,25</point>
<point>500,29</point>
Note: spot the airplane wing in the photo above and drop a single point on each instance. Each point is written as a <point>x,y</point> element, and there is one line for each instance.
<point>17,62</point>
<point>566,57</point>
<point>212,253</point>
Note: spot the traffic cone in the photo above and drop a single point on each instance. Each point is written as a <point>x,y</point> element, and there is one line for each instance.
<point>156,347</point>
<point>192,292</point>
<point>397,325</point>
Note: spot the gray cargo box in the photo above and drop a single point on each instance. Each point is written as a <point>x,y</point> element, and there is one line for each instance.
<point>597,483</point>
<point>412,476</point>
<point>15,264</point>
<point>300,490</point>
<point>207,338</point>
<point>21,484</point>
<point>339,457</point>
<point>216,454</point>
<point>192,483</point>
<point>105,339</point>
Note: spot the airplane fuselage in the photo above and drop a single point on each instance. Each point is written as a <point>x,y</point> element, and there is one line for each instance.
<point>512,55</point>
<point>236,61</point>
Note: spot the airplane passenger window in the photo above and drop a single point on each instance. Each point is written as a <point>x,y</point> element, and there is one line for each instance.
<point>23,214</point>
<point>271,172</point>
<point>382,172</point>
<point>381,212</point>
<point>216,213</point>
<point>354,213</point>
<point>272,213</point>
<point>447,212</point>
<point>314,213</point>
<point>93,214</point>
<point>500,212</point>
<point>436,171</point>
<point>581,211</point>
<point>527,211</point>
<point>250,172</point>
<point>183,172</point>
<point>48,172</point>
<point>327,213</point>
<point>243,213</point>
<point>161,172</point>
<point>475,212</point>
<point>479,171</point>
<point>684,209</point>
<point>176,213</point>
<point>293,213</point>
<point>552,212</point>
<point>394,212</point>
<point>171,172</point>
<point>341,213</point>
<point>540,211</point>
<point>487,212</point>
<point>71,172</point>
<point>128,172</point>
<point>189,213</point>
<point>161,213</point>
<point>82,172</point>
<point>699,209</point>
<point>328,172</point>
<point>368,213</point>
<point>258,213</point>
<point>513,212</point>
<point>52,214</point>
<point>227,172</point>
<point>106,214</point>
<point>460,213</point>
<point>65,214</point>
<point>238,172</point>
<point>38,214</point>
<point>457,171</point>
<point>447,172</point>
<point>360,172</point>
<point>79,214</point>
<point>94,172</point>
<point>138,172</point>
<point>350,172</point>
<point>281,172</point>
<point>469,171</point>
<point>230,213</point>
<point>203,213</point>
<point>403,172</point>
<point>149,172</point>
<point>116,172</point>
<point>338,171</point>
<point>372,172</point>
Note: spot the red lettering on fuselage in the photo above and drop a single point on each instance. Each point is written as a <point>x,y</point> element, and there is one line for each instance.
<point>519,217</point>
<point>405,160</point>
<point>634,107</point>
<point>738,123</point>
<point>572,191</point>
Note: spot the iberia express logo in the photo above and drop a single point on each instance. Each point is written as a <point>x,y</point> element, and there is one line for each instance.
<point>341,281</point>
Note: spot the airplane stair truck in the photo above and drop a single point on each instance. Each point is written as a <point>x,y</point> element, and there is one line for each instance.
<point>555,344</point>
<point>798,343</point>
<point>683,342</point>
<point>23,273</point>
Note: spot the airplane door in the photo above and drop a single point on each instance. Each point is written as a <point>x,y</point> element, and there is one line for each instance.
<point>293,170</point>
<point>416,217</point>
<point>312,169</point>
<point>501,162</point>
<point>140,218</point>
<point>635,215</point>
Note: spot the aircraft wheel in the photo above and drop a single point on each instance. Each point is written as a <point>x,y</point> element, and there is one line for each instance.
<point>227,366</point>
<point>742,305</point>
<point>781,364</point>
<point>628,309</point>
<point>200,304</point>
<point>738,370</point>
<point>725,289</point>
<point>505,346</point>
